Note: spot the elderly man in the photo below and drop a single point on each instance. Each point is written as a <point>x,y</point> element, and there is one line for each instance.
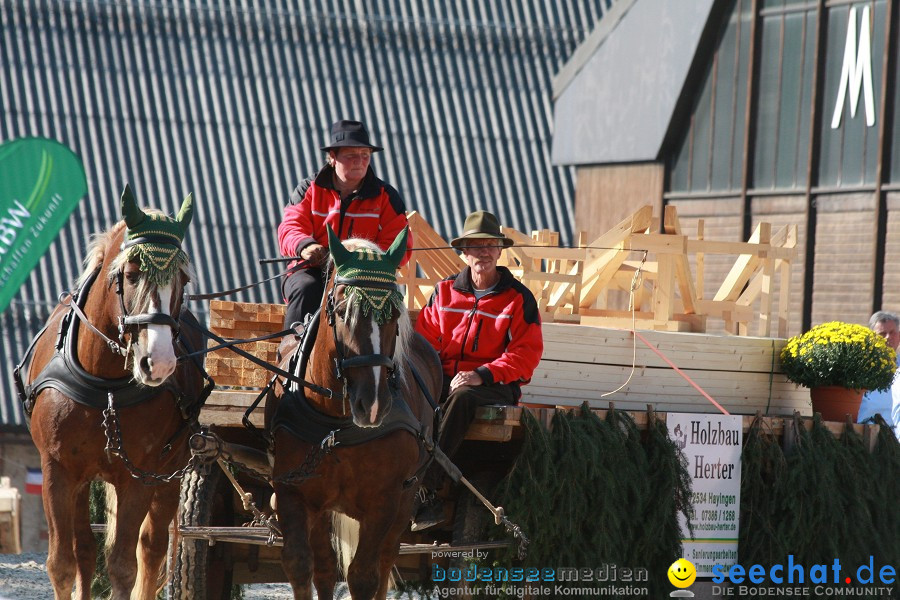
<point>887,325</point>
<point>486,327</point>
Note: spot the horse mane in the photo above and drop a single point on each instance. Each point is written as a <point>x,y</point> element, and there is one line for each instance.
<point>353,310</point>
<point>100,246</point>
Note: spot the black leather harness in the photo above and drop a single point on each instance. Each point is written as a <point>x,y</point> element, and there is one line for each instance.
<point>301,419</point>
<point>64,373</point>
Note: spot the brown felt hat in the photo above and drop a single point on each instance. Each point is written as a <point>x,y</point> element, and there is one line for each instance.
<point>350,134</point>
<point>481,225</point>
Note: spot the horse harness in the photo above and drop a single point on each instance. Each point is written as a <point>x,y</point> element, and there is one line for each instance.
<point>64,373</point>
<point>324,432</point>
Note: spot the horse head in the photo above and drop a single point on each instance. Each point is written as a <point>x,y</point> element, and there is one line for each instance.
<point>150,272</point>
<point>370,325</point>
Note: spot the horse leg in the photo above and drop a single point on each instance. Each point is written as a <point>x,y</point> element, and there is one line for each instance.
<point>324,559</point>
<point>390,550</point>
<point>390,547</point>
<point>85,544</point>
<point>296,557</point>
<point>58,495</point>
<point>378,535</point>
<point>154,541</point>
<point>132,503</point>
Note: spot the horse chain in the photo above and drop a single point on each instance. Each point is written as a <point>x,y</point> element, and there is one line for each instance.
<point>305,471</point>
<point>309,465</point>
<point>113,430</point>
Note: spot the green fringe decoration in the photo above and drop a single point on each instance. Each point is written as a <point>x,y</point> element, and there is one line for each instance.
<point>160,262</point>
<point>380,303</point>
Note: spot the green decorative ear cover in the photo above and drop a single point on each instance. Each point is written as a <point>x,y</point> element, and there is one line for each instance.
<point>368,265</point>
<point>160,256</point>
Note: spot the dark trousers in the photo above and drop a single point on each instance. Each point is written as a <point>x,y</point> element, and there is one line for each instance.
<point>459,409</point>
<point>303,293</point>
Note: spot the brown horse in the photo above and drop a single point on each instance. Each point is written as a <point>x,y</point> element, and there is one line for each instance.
<point>78,368</point>
<point>375,426</point>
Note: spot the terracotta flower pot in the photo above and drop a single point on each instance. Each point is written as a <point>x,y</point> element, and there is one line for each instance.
<point>834,403</point>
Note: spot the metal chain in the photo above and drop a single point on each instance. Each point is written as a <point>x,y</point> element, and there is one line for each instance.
<point>313,458</point>
<point>305,471</point>
<point>113,430</point>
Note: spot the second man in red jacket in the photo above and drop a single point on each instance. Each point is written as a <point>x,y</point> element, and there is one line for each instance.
<point>486,327</point>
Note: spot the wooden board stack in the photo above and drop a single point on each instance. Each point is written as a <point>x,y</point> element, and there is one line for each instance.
<point>743,374</point>
<point>233,320</point>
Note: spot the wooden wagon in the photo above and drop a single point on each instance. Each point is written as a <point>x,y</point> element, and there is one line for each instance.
<point>625,322</point>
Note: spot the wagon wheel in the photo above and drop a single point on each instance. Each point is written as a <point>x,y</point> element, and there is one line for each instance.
<point>196,569</point>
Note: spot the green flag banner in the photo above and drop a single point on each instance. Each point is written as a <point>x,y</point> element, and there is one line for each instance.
<point>41,182</point>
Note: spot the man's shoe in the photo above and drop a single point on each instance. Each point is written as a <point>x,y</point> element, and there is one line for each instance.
<point>428,516</point>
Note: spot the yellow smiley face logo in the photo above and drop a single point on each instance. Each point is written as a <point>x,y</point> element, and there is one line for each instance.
<point>682,573</point>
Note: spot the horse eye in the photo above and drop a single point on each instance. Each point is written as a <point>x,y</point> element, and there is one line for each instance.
<point>133,276</point>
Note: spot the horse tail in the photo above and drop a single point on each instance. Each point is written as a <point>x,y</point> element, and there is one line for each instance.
<point>110,494</point>
<point>344,540</point>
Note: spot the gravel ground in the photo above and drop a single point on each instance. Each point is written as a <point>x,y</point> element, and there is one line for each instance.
<point>24,577</point>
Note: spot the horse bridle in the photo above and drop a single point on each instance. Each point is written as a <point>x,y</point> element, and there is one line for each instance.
<point>124,320</point>
<point>341,363</point>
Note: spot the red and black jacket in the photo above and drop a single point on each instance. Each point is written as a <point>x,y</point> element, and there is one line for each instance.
<point>498,336</point>
<point>375,212</point>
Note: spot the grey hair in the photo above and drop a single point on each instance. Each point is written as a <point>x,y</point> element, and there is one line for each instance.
<point>883,316</point>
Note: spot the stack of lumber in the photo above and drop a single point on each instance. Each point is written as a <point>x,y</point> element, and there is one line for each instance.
<point>242,320</point>
<point>583,363</point>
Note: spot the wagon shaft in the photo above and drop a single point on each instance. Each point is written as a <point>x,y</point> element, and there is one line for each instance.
<point>210,446</point>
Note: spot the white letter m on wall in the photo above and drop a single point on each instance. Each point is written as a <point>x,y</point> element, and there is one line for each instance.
<point>857,70</point>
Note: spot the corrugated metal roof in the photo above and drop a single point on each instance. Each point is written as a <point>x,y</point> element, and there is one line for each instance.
<point>232,100</point>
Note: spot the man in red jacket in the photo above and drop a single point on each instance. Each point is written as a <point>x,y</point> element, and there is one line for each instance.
<point>347,195</point>
<point>486,328</point>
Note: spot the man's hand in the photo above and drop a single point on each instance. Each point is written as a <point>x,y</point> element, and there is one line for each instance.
<point>470,378</point>
<point>315,254</point>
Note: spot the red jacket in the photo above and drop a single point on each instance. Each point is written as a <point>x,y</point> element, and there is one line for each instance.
<point>498,337</point>
<point>375,212</point>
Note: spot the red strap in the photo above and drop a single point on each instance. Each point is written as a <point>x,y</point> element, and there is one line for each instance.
<point>680,372</point>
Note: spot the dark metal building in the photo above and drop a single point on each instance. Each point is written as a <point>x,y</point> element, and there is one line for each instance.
<point>232,100</point>
<point>741,111</point>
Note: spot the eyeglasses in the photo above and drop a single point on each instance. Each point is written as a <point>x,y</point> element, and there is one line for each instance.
<point>480,247</point>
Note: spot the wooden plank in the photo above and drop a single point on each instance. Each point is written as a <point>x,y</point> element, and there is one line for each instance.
<point>682,267</point>
<point>599,264</point>
<point>744,266</point>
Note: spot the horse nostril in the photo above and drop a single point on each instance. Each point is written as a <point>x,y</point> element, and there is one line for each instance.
<point>147,365</point>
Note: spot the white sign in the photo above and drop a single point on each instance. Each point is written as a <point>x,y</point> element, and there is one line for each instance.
<point>712,446</point>
<point>856,72</point>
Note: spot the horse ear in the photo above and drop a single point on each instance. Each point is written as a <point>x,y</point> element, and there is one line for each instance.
<point>397,251</point>
<point>186,213</point>
<point>338,252</point>
<point>130,211</point>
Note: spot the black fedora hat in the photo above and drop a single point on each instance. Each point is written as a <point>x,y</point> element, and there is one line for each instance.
<point>350,134</point>
<point>480,225</point>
